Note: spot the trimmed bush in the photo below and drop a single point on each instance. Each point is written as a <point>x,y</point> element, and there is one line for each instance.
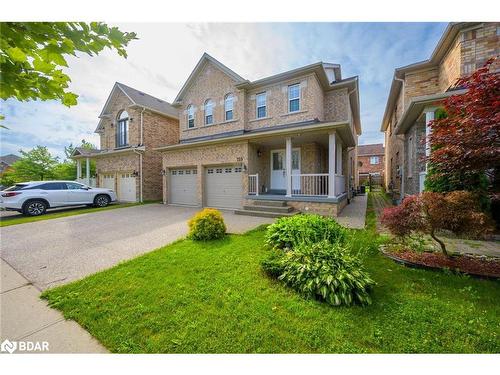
<point>206,225</point>
<point>273,264</point>
<point>328,272</point>
<point>288,232</point>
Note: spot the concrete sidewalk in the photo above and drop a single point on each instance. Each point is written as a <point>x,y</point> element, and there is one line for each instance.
<point>354,214</point>
<point>25,317</point>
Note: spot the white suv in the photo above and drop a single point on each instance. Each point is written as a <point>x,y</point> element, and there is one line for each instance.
<point>34,198</point>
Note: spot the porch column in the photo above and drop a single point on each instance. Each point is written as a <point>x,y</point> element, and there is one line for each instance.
<point>429,116</point>
<point>288,166</point>
<point>87,170</point>
<point>332,153</point>
<point>78,169</point>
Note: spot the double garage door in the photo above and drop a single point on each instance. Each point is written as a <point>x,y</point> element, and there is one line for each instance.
<point>126,191</point>
<point>223,187</point>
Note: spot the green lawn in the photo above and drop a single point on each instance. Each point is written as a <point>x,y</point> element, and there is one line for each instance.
<point>213,298</point>
<point>20,219</point>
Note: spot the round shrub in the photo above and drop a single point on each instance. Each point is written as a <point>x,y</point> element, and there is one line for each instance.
<point>288,232</point>
<point>327,271</point>
<point>207,224</point>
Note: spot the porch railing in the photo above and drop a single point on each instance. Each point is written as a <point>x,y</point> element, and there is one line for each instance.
<point>310,184</point>
<point>339,184</point>
<point>253,184</point>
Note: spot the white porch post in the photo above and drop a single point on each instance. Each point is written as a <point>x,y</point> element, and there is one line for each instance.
<point>87,170</point>
<point>429,116</point>
<point>288,166</point>
<point>78,169</point>
<point>332,155</point>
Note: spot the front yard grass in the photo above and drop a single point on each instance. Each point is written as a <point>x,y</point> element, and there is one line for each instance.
<point>195,297</point>
<point>70,211</point>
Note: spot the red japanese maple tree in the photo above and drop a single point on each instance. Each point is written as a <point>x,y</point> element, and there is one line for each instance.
<point>468,138</point>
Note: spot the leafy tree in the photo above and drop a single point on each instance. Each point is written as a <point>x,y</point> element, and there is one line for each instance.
<point>36,164</point>
<point>67,169</point>
<point>467,139</point>
<point>32,55</point>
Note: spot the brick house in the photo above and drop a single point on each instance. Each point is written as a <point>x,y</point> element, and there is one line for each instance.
<point>286,140</point>
<point>132,125</point>
<point>371,162</point>
<point>415,95</point>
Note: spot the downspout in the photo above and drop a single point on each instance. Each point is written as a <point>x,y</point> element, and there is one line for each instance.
<point>402,194</point>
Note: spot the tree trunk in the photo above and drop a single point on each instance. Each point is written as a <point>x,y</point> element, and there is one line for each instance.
<point>441,243</point>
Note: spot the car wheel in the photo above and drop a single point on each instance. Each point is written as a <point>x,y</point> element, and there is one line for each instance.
<point>35,208</point>
<point>101,201</point>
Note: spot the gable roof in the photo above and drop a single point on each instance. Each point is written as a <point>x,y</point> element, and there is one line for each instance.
<point>442,47</point>
<point>9,159</point>
<point>141,99</point>
<point>201,63</point>
<point>374,149</point>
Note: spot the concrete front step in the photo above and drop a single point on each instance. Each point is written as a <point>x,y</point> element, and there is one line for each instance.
<point>264,213</point>
<point>272,203</point>
<point>277,209</point>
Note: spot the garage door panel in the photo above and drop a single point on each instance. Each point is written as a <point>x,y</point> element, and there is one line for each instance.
<point>184,187</point>
<point>223,187</point>
<point>127,187</point>
<point>108,181</point>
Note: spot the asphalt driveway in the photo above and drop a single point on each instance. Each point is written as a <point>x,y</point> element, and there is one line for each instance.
<point>58,251</point>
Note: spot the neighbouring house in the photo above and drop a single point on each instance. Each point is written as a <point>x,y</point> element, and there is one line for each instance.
<point>371,163</point>
<point>132,125</point>
<point>415,95</point>
<point>6,162</point>
<point>284,142</point>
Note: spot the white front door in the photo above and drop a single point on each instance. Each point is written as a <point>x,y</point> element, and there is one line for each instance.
<point>278,169</point>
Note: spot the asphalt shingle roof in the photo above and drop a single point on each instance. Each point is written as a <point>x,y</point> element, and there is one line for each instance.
<point>148,101</point>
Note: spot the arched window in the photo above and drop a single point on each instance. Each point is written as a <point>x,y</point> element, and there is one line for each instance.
<point>122,129</point>
<point>209,112</point>
<point>228,107</point>
<point>190,116</point>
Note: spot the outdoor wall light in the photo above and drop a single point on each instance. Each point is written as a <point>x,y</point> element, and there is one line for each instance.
<point>163,172</point>
<point>135,173</point>
<point>259,153</point>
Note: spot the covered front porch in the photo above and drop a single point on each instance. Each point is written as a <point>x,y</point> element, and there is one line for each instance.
<point>308,167</point>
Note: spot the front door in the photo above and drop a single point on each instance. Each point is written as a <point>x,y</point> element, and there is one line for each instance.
<point>278,169</point>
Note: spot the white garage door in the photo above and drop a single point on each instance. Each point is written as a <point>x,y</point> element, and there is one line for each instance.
<point>223,187</point>
<point>126,187</point>
<point>183,187</point>
<point>108,181</point>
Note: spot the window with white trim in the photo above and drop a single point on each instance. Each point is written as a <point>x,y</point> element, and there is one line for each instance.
<point>209,112</point>
<point>261,104</point>
<point>228,107</point>
<point>294,98</point>
<point>122,129</point>
<point>374,160</point>
<point>190,116</point>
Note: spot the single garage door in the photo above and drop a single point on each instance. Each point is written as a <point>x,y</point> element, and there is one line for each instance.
<point>223,187</point>
<point>108,181</point>
<point>126,187</point>
<point>183,187</point>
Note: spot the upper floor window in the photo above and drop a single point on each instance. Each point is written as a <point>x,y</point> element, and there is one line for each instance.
<point>294,98</point>
<point>190,116</point>
<point>374,160</point>
<point>228,107</point>
<point>122,129</point>
<point>209,112</point>
<point>261,105</point>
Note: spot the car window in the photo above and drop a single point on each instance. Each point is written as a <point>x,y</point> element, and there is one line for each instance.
<point>17,187</point>
<point>53,186</point>
<point>74,186</point>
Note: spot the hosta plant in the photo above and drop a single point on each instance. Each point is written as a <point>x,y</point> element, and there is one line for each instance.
<point>288,232</point>
<point>328,272</point>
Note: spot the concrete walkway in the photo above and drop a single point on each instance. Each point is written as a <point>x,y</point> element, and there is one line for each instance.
<point>25,317</point>
<point>354,214</point>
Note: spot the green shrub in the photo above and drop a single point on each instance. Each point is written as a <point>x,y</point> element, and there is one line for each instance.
<point>288,232</point>
<point>327,271</point>
<point>207,224</point>
<point>273,264</point>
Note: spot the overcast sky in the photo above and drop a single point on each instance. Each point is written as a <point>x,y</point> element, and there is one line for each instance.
<point>165,54</point>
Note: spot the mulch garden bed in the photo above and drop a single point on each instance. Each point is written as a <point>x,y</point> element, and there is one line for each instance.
<point>474,266</point>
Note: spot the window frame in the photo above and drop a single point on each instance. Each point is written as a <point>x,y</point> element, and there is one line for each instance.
<point>293,99</point>
<point>229,98</point>
<point>257,106</point>
<point>209,104</point>
<point>375,157</point>
<point>190,116</point>
<point>122,130</point>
